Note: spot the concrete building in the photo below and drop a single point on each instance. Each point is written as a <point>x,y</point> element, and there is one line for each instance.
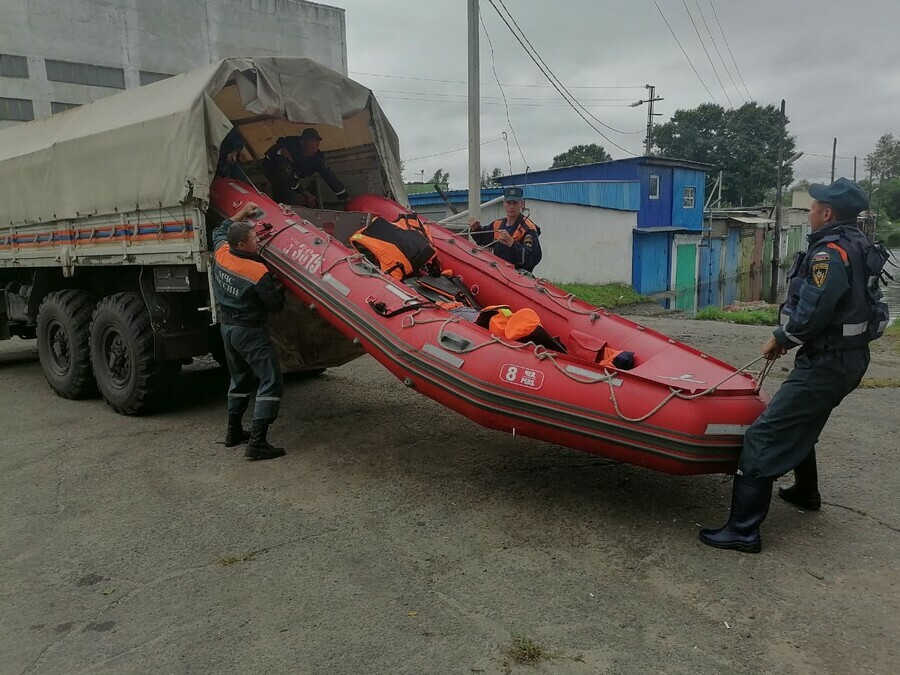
<point>55,55</point>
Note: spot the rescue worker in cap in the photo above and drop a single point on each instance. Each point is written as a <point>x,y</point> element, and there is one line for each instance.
<point>295,158</point>
<point>515,239</point>
<point>831,316</point>
<point>246,292</point>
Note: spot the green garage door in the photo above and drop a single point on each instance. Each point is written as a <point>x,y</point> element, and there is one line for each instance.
<point>686,277</point>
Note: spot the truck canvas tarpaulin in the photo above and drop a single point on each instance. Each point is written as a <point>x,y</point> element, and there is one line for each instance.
<point>158,145</point>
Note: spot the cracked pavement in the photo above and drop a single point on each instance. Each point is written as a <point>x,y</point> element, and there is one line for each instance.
<point>397,537</point>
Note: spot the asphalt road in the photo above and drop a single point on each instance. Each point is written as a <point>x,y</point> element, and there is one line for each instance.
<point>397,537</point>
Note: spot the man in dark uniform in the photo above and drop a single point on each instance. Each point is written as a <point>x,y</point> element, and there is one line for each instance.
<point>831,317</point>
<point>294,158</point>
<point>515,239</point>
<point>229,165</point>
<point>246,292</point>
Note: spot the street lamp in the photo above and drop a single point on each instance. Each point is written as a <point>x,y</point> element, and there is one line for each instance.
<point>650,114</point>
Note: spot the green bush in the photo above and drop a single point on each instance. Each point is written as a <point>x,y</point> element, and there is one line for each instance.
<point>893,239</point>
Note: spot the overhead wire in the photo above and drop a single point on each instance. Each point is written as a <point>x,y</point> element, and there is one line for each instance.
<point>502,93</point>
<point>561,89</point>
<point>690,63</point>
<point>718,53</point>
<point>706,51</point>
<point>490,84</point>
<point>551,76</point>
<point>734,60</point>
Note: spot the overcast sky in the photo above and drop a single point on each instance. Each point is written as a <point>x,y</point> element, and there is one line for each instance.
<point>837,64</point>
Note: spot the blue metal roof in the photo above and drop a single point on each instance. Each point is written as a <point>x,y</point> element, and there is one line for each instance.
<point>455,197</point>
<point>616,169</point>
<point>618,195</point>
<point>608,194</point>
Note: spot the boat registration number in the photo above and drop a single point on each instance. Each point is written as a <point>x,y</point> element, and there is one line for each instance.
<point>521,376</point>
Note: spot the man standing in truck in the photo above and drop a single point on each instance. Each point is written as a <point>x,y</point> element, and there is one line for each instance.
<point>246,292</point>
<point>295,158</point>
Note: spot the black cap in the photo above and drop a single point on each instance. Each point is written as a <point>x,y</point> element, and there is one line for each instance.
<point>310,133</point>
<point>513,194</point>
<point>842,195</point>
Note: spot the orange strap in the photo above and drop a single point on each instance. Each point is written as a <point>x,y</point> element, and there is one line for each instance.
<point>843,253</point>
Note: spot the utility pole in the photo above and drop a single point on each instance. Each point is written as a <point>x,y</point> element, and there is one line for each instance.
<point>474,115</point>
<point>854,168</point>
<point>776,244</point>
<point>648,142</point>
<point>833,157</point>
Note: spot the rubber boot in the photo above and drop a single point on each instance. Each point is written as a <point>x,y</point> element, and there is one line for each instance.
<point>805,490</point>
<point>259,447</point>
<point>750,499</point>
<point>235,434</point>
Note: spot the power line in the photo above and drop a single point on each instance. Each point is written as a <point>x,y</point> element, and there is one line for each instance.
<point>511,98</point>
<point>706,51</point>
<point>722,30</point>
<point>489,84</point>
<point>552,75</point>
<point>450,152</point>
<point>718,53</point>
<point>559,104</point>
<point>690,63</point>
<point>552,78</point>
<point>503,93</point>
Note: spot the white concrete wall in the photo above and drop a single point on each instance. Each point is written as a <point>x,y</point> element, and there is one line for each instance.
<point>164,36</point>
<point>581,244</point>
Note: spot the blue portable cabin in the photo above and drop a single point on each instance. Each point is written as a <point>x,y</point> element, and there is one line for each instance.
<point>671,200</point>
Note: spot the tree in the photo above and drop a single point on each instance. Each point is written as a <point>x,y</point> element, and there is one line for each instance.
<point>888,199</point>
<point>441,178</point>
<point>581,154</point>
<point>742,143</point>
<point>884,161</point>
<point>489,180</point>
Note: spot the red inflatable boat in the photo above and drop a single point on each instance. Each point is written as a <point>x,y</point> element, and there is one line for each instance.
<point>676,410</point>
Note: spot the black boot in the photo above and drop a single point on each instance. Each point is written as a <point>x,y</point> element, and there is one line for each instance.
<point>805,490</point>
<point>750,499</point>
<point>259,447</point>
<point>235,434</point>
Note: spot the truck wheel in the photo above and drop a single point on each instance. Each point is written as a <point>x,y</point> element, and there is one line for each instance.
<point>131,380</point>
<point>63,337</point>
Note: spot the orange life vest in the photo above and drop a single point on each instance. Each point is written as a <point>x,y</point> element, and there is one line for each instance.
<point>399,248</point>
<point>522,229</point>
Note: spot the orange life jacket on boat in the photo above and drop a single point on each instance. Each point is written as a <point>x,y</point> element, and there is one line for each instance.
<point>400,248</point>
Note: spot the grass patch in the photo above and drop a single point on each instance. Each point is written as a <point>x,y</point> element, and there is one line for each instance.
<point>766,316</point>
<point>235,559</point>
<point>605,295</point>
<point>881,383</point>
<point>891,338</point>
<point>526,651</point>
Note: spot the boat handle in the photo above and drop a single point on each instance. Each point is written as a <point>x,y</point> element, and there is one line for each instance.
<point>454,342</point>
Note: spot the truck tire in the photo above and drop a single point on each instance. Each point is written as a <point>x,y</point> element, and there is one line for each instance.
<point>128,375</point>
<point>63,337</point>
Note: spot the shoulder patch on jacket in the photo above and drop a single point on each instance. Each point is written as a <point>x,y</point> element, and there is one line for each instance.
<point>819,273</point>
<point>250,270</point>
<point>821,256</point>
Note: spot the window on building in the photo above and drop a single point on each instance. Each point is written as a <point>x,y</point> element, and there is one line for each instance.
<point>58,107</point>
<point>82,73</point>
<point>654,186</point>
<point>690,194</point>
<point>148,77</point>
<point>16,109</point>
<point>13,66</point>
